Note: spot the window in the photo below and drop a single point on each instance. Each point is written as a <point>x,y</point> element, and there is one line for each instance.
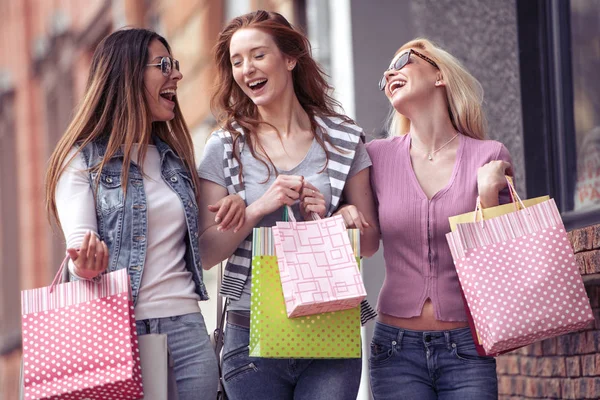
<point>59,107</point>
<point>235,8</point>
<point>10,313</point>
<point>559,54</point>
<point>319,33</point>
<point>585,58</point>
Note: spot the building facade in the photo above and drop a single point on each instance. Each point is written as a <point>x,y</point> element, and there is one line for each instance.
<point>536,60</point>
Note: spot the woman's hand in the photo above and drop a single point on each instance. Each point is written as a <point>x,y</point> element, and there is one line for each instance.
<point>230,211</point>
<point>312,201</point>
<point>353,218</point>
<point>284,191</point>
<point>91,259</point>
<point>491,179</point>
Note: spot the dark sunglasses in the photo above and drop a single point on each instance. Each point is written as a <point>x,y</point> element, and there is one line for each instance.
<point>166,65</point>
<point>401,62</point>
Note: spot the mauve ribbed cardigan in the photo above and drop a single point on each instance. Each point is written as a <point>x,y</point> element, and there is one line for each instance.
<point>404,215</point>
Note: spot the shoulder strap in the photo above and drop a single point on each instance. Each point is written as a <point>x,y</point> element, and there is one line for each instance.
<point>219,331</point>
<point>221,313</point>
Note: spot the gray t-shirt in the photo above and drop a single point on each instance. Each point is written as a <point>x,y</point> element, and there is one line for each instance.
<point>254,175</point>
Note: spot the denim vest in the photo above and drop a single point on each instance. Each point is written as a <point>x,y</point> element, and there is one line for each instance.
<point>123,220</point>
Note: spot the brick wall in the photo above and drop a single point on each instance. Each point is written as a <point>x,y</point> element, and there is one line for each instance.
<point>565,367</point>
<point>586,244</point>
<point>191,29</point>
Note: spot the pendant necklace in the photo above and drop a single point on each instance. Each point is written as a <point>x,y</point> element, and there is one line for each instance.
<point>431,153</point>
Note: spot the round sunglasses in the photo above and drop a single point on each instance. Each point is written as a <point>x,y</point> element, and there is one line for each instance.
<point>401,62</point>
<point>166,65</point>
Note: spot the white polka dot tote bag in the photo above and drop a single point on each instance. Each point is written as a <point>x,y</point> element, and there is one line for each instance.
<point>80,340</point>
<point>519,277</point>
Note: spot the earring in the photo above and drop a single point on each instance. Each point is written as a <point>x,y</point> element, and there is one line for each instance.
<point>438,82</point>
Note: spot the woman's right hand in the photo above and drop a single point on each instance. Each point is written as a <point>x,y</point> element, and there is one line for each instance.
<point>284,191</point>
<point>491,179</point>
<point>230,212</point>
<point>91,259</point>
<point>353,218</point>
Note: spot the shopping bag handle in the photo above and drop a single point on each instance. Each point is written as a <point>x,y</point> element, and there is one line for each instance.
<point>59,273</point>
<point>514,196</point>
<point>96,279</point>
<point>288,213</point>
<point>516,200</point>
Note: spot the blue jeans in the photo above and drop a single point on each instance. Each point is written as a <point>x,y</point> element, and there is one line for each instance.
<point>429,365</point>
<point>195,364</point>
<point>248,377</point>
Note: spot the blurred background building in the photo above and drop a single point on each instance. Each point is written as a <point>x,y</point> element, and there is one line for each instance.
<point>537,60</point>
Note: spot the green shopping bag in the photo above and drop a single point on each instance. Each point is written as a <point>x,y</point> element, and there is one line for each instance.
<point>274,335</point>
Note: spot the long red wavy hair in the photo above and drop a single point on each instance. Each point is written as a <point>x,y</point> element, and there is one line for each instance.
<point>230,104</point>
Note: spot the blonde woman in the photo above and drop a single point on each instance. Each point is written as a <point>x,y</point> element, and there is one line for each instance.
<point>434,166</point>
<point>123,186</point>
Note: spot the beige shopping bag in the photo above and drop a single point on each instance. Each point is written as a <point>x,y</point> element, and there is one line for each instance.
<point>157,368</point>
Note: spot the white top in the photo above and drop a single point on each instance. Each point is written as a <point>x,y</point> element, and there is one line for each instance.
<point>167,288</point>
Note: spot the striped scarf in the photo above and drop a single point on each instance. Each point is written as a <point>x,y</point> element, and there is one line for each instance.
<point>340,135</point>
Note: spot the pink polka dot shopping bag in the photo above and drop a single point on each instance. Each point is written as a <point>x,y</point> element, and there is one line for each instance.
<point>518,275</point>
<point>80,340</point>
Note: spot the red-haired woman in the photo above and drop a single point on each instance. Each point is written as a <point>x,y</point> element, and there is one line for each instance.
<point>281,143</point>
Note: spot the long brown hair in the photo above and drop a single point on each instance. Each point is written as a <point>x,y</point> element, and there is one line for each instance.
<point>230,104</point>
<point>114,111</point>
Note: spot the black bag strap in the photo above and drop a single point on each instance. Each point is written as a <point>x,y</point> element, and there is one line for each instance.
<point>219,332</point>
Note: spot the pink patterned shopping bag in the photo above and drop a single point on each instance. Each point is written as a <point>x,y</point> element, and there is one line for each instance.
<point>519,277</point>
<point>80,340</point>
<point>317,266</point>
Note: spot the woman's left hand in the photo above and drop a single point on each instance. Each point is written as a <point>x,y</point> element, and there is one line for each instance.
<point>231,212</point>
<point>312,201</point>
<point>491,179</point>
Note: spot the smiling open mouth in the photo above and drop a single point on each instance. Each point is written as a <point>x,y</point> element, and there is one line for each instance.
<point>168,94</point>
<point>396,85</point>
<point>257,85</point>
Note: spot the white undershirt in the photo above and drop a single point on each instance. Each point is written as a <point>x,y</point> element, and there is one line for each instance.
<point>167,288</point>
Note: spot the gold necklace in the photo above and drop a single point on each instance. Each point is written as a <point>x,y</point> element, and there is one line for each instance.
<point>431,153</point>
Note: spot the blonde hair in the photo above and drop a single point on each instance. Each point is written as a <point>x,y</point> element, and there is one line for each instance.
<point>463,92</point>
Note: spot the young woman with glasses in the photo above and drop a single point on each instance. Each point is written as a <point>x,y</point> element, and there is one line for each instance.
<point>434,166</point>
<point>123,187</point>
<point>281,143</point>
